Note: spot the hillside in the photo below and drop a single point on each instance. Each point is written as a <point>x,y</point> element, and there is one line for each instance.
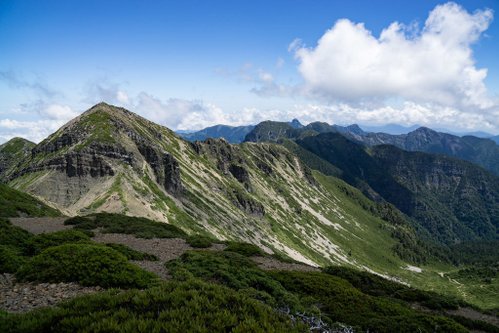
<point>109,159</point>
<point>453,200</point>
<point>210,286</point>
<point>14,203</point>
<point>12,151</point>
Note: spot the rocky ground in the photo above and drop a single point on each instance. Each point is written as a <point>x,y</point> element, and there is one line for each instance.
<point>23,297</point>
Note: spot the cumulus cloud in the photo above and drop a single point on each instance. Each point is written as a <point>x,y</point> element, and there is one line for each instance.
<point>432,64</point>
<point>46,119</point>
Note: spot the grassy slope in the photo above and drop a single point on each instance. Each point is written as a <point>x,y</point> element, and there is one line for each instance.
<point>14,203</point>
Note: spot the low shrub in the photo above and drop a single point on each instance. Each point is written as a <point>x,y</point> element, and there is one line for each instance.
<point>38,243</point>
<point>87,264</point>
<point>10,259</point>
<point>191,306</point>
<point>245,249</point>
<point>13,235</point>
<point>199,241</point>
<point>132,254</point>
<point>122,224</point>
<point>232,270</point>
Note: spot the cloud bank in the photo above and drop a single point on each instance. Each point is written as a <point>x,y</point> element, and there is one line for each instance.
<point>432,64</point>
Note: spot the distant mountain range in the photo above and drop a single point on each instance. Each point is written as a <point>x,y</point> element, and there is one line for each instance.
<point>233,134</point>
<point>483,152</point>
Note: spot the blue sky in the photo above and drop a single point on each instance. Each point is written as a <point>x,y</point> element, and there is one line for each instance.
<point>190,64</point>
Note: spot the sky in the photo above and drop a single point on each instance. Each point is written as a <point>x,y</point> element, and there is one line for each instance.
<point>192,64</point>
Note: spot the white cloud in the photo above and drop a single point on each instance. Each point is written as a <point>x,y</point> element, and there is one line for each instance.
<point>34,131</point>
<point>58,112</point>
<point>433,64</point>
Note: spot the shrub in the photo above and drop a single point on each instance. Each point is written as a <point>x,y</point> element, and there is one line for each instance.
<point>191,306</point>
<point>339,301</point>
<point>244,249</point>
<point>13,235</point>
<point>89,265</point>
<point>232,270</point>
<point>132,254</point>
<point>40,242</point>
<point>122,224</point>
<point>10,259</point>
<point>199,241</point>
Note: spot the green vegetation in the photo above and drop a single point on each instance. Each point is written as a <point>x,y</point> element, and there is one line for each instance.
<point>14,203</point>
<point>377,286</point>
<point>89,265</point>
<point>191,306</point>
<point>244,249</point>
<point>11,259</point>
<point>38,243</point>
<point>132,254</point>
<point>199,241</point>
<point>316,294</point>
<point>137,226</point>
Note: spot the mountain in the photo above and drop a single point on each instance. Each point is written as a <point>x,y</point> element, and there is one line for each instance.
<point>110,159</point>
<point>229,133</point>
<point>14,203</point>
<point>495,139</point>
<point>483,152</point>
<point>452,200</point>
<point>12,151</point>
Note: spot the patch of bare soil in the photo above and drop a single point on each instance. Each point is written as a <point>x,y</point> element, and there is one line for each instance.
<point>39,225</point>
<point>267,263</point>
<point>165,249</point>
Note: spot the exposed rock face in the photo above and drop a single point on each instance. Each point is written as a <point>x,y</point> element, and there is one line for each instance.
<point>166,169</point>
<point>248,205</point>
<point>240,173</point>
<point>172,182</point>
<point>79,165</point>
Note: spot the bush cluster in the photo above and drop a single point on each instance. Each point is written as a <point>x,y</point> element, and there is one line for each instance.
<point>87,264</point>
<point>121,224</point>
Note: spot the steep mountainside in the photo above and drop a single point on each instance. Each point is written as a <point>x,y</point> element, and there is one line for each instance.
<point>12,151</point>
<point>14,203</point>
<point>229,133</point>
<point>110,159</point>
<point>454,200</point>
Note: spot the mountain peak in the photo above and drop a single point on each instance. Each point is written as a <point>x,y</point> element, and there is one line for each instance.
<point>295,123</point>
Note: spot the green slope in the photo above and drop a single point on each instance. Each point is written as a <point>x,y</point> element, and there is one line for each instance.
<point>14,203</point>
